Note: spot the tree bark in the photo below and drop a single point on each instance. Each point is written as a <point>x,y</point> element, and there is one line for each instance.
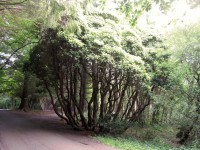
<point>24,98</point>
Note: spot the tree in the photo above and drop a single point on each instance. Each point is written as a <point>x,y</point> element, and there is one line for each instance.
<point>185,42</point>
<point>20,30</point>
<point>83,49</point>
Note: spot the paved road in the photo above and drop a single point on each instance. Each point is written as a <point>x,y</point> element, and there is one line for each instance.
<point>19,131</point>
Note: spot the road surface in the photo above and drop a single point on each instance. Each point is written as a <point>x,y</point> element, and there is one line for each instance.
<point>20,131</point>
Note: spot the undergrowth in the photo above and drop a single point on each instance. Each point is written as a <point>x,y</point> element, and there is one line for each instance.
<point>147,138</point>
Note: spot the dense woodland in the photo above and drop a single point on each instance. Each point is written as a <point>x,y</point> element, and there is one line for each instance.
<point>100,71</point>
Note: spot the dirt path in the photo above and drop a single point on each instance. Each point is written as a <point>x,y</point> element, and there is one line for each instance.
<point>19,131</point>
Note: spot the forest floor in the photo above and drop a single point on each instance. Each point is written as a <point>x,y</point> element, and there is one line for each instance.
<point>42,131</point>
<point>148,137</point>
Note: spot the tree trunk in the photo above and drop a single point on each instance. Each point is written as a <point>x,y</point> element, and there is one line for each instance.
<point>24,97</point>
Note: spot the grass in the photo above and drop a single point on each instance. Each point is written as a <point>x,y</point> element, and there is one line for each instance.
<point>130,144</point>
<point>149,138</point>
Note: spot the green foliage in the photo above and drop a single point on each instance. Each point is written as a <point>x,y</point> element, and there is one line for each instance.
<point>7,102</point>
<point>152,137</point>
<point>8,82</point>
<point>19,33</point>
<point>131,144</point>
<point>185,52</point>
<point>133,9</point>
<point>103,40</point>
<point>104,48</point>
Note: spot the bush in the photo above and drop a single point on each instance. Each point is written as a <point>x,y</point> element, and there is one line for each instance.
<point>114,126</point>
<point>8,103</point>
<point>131,144</point>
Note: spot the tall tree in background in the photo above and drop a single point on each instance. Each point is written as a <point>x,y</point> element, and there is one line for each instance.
<point>186,51</point>
<point>19,32</point>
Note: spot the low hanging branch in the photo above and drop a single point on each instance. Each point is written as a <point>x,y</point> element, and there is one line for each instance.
<point>6,3</point>
<point>13,53</point>
<point>9,8</point>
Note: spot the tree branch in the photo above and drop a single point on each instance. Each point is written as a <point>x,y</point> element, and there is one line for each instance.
<point>14,52</point>
<point>3,3</point>
<point>2,9</point>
